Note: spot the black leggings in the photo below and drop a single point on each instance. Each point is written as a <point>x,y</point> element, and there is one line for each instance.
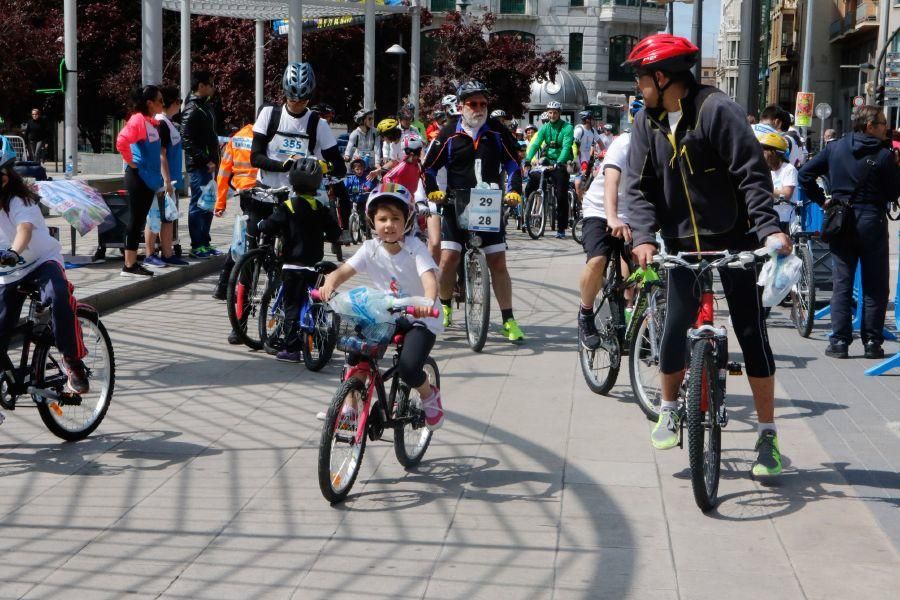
<point>560,177</point>
<point>747,318</point>
<point>417,345</point>
<point>296,293</point>
<point>140,198</point>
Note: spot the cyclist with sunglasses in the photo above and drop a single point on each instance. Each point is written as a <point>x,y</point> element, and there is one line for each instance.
<point>696,174</point>
<point>557,136</point>
<point>474,140</point>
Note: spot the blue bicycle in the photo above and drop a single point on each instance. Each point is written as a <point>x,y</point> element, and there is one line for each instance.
<point>317,325</point>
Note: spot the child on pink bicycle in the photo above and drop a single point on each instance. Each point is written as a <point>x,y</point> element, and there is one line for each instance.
<point>399,263</point>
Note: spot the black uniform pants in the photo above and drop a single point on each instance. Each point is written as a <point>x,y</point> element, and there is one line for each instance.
<point>865,241</point>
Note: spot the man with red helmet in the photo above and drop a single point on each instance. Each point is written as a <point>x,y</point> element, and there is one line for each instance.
<point>696,174</point>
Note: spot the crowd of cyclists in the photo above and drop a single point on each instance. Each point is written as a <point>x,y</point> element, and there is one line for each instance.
<point>690,175</point>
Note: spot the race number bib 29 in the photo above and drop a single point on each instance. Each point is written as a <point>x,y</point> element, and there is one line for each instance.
<point>485,210</point>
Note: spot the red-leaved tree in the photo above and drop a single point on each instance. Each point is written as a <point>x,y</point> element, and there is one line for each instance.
<point>506,65</point>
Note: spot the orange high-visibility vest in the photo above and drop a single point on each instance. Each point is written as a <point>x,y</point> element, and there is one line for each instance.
<point>235,171</point>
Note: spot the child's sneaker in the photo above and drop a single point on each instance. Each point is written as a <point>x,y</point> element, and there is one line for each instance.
<point>434,411</point>
<point>288,356</point>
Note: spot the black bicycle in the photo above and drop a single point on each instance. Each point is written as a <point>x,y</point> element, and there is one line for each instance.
<point>257,271</point>
<point>540,206</point>
<point>41,373</point>
<point>473,288</point>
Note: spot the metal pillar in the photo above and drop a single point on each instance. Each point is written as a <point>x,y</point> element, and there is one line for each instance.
<point>151,42</point>
<point>185,48</point>
<point>748,57</point>
<point>415,56</point>
<point>369,57</point>
<point>70,25</point>
<point>697,36</point>
<point>670,21</point>
<point>807,47</point>
<point>260,61</point>
<point>295,30</point>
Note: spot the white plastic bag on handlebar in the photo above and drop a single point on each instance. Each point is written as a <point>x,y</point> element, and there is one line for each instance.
<point>778,276</point>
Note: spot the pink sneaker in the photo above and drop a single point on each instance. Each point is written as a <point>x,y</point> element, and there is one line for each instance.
<point>434,412</point>
<point>347,418</point>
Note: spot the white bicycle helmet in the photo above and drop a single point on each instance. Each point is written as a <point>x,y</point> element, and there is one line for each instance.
<point>397,194</point>
<point>412,142</point>
<point>449,102</point>
<point>299,81</point>
<point>544,117</point>
<point>499,114</point>
<point>7,154</point>
<point>554,105</point>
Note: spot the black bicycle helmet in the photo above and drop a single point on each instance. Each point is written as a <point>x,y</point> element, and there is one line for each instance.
<point>299,81</point>
<point>470,88</point>
<point>306,175</point>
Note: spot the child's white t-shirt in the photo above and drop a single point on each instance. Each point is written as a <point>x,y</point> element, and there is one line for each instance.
<point>41,248</point>
<point>399,274</point>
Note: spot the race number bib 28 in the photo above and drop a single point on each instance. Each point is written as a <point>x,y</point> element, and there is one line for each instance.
<point>485,210</point>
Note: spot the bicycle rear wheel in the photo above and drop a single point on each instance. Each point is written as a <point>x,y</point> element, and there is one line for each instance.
<point>248,283</point>
<point>803,295</point>
<point>74,417</point>
<point>318,344</point>
<point>578,230</point>
<point>704,431</point>
<point>478,298</point>
<point>535,215</point>
<point>412,437</point>
<point>340,456</point>
<point>643,360</point>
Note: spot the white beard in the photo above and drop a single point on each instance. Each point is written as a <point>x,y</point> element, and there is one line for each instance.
<point>474,123</point>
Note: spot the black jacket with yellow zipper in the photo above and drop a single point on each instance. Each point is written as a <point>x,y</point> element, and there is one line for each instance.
<point>704,186</point>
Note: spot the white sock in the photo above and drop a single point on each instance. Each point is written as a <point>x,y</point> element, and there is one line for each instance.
<point>668,405</point>
<point>763,427</point>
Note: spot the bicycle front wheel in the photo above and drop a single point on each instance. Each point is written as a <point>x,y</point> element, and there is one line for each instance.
<point>535,218</point>
<point>478,298</point>
<point>411,436</point>
<point>340,455</point>
<point>271,322</point>
<point>803,296</point>
<point>318,344</point>
<point>578,230</point>
<point>248,283</point>
<point>704,431</point>
<point>74,417</point>
<point>600,365</point>
<point>643,360</point>
<point>356,235</point>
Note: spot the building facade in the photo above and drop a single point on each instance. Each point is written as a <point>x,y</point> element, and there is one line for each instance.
<point>595,36</point>
<point>708,71</point>
<point>729,46</point>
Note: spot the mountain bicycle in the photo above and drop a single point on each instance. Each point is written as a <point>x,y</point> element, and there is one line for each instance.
<point>702,393</point>
<point>255,272</point>
<point>635,333</point>
<point>317,325</point>
<point>541,203</point>
<point>803,293</point>
<point>41,373</point>
<point>359,224</point>
<point>473,288</point>
<point>361,408</point>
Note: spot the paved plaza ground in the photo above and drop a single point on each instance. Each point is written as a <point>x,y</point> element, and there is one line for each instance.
<point>201,482</point>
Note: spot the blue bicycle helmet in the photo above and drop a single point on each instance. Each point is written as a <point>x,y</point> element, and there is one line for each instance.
<point>637,105</point>
<point>7,154</point>
<point>299,81</point>
<point>585,115</point>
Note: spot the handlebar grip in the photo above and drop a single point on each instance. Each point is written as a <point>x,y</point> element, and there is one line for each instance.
<point>411,310</point>
<point>315,295</point>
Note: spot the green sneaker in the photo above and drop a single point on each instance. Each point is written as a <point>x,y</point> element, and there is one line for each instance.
<point>768,460</point>
<point>665,434</point>
<point>512,331</point>
<point>448,315</point>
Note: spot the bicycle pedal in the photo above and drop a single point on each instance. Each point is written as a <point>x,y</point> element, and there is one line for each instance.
<point>735,368</point>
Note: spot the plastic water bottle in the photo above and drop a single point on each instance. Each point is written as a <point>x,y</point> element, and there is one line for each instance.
<point>70,167</point>
<point>365,303</point>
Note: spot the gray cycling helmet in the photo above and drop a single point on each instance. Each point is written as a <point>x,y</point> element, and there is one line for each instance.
<point>361,114</point>
<point>299,81</point>
<point>306,175</point>
<point>470,88</point>
<point>585,115</point>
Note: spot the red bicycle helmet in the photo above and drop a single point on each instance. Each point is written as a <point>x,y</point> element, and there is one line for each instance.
<point>663,52</point>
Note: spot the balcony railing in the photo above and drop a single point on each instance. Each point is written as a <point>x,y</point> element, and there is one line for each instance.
<point>512,7</point>
<point>443,5</point>
<point>634,3</point>
<point>866,11</point>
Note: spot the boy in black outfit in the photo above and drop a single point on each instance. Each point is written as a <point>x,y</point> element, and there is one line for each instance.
<point>303,224</point>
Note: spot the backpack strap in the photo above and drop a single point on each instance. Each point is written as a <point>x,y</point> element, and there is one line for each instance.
<point>274,121</point>
<point>312,127</point>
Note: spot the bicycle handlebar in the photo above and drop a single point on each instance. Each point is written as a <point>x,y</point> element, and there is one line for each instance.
<point>316,296</point>
<point>269,195</point>
<point>741,260</point>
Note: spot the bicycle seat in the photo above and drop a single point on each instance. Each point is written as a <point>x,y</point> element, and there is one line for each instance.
<point>325,267</point>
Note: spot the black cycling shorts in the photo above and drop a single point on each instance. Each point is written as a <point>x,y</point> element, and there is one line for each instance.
<point>597,240</point>
<point>454,238</point>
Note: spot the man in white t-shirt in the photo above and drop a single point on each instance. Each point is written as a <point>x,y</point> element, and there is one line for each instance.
<point>603,227</point>
<point>586,139</point>
<point>285,134</point>
<point>607,137</point>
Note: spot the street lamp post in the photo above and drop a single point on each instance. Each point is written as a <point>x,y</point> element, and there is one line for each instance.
<point>398,51</point>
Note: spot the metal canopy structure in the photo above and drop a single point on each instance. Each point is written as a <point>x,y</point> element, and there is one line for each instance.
<point>269,10</point>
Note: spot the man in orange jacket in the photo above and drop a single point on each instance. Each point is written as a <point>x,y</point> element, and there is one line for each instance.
<point>235,173</point>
